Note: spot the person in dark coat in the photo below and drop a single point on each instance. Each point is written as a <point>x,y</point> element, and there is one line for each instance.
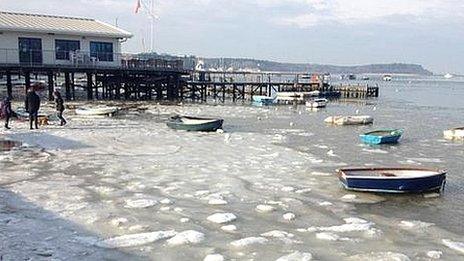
<point>59,107</point>
<point>6,111</point>
<point>32,107</point>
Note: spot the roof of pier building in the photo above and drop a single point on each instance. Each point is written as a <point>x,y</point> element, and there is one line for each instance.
<point>52,24</point>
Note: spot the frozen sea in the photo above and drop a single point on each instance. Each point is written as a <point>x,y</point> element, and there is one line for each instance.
<point>129,188</point>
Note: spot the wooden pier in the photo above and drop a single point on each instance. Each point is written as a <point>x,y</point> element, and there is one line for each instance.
<point>166,80</point>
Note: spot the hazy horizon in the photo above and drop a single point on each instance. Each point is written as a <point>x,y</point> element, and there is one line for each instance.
<point>334,32</point>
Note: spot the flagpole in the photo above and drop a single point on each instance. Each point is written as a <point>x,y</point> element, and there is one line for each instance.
<point>152,25</point>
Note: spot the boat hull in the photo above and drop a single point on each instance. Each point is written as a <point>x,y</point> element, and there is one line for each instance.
<point>206,127</point>
<point>397,185</point>
<point>377,140</point>
<point>454,134</point>
<point>349,120</point>
<point>263,100</point>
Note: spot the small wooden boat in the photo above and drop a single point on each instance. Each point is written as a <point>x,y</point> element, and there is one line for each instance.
<point>454,134</point>
<point>392,180</point>
<point>194,123</point>
<point>317,103</point>
<point>263,100</point>
<point>349,120</point>
<point>96,111</point>
<point>381,136</point>
<point>387,78</point>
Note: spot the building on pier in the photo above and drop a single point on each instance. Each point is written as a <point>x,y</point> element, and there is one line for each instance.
<point>35,39</point>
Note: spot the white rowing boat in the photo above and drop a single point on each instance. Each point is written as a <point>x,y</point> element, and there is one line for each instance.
<point>454,134</point>
<point>96,111</point>
<point>350,120</point>
<point>317,103</point>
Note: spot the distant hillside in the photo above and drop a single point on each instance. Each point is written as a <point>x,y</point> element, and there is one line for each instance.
<point>262,65</point>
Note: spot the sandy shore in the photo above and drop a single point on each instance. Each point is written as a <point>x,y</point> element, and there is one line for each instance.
<point>130,188</point>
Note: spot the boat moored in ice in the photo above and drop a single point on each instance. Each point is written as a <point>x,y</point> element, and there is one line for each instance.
<point>350,120</point>
<point>392,180</point>
<point>382,136</point>
<point>317,103</point>
<point>96,111</point>
<point>263,100</point>
<point>194,123</point>
<point>454,134</point>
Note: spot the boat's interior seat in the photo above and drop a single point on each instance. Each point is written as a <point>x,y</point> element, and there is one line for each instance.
<point>386,174</point>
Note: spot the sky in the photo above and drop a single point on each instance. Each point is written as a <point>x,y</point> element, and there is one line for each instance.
<point>339,32</point>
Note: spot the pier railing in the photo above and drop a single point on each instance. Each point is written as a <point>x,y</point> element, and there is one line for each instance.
<point>83,59</point>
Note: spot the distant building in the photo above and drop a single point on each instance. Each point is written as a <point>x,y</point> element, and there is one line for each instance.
<point>42,40</point>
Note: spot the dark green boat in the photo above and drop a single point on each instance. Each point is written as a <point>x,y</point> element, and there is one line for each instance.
<point>194,123</point>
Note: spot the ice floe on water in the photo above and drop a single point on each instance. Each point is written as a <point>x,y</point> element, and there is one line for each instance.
<point>329,236</point>
<point>380,256</point>
<point>134,239</point>
<point>296,256</point>
<point>265,208</point>
<point>289,216</point>
<point>186,237</point>
<point>434,254</point>
<point>455,245</point>
<point>214,257</point>
<point>414,224</point>
<point>248,241</point>
<point>221,218</point>
<point>140,203</point>
<point>229,228</point>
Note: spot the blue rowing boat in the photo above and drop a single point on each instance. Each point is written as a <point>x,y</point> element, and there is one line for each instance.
<point>392,180</point>
<point>381,136</point>
<point>263,100</point>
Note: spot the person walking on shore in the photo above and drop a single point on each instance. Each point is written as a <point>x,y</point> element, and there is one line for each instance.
<point>6,111</point>
<point>59,107</point>
<point>32,107</point>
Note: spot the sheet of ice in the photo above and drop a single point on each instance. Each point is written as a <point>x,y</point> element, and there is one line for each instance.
<point>289,216</point>
<point>221,218</point>
<point>135,239</point>
<point>265,208</point>
<point>229,228</point>
<point>380,256</point>
<point>244,242</point>
<point>278,234</point>
<point>140,203</point>
<point>457,246</point>
<point>214,257</point>
<point>296,256</point>
<point>217,201</point>
<point>414,224</point>
<point>186,237</point>
<point>329,236</point>
<point>434,254</point>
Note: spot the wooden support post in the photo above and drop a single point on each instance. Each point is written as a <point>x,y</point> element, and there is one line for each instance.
<point>73,87</point>
<point>234,88</point>
<point>51,85</point>
<point>89,86</point>
<point>67,84</point>
<point>27,78</point>
<point>223,93</point>
<point>9,85</point>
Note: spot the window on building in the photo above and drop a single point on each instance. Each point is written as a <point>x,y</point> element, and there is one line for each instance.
<point>102,51</point>
<point>64,47</point>
<point>30,50</point>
